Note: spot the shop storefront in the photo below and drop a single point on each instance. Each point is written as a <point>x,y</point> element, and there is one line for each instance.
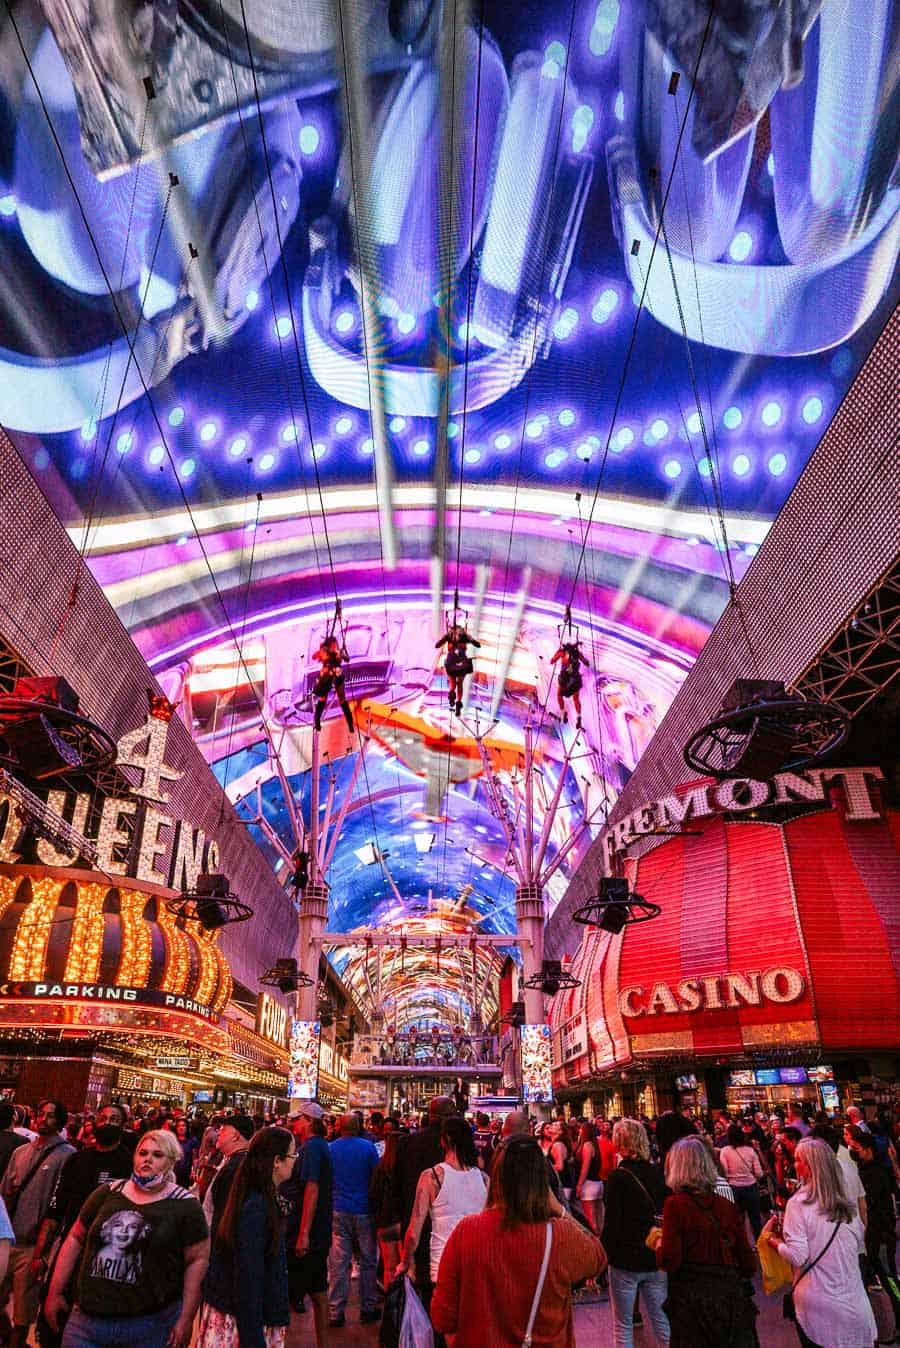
<point>770,975</point>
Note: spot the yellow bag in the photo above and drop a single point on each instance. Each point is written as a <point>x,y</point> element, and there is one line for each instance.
<point>776,1271</point>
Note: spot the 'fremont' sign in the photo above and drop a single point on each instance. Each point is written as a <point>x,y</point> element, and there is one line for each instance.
<point>745,793</point>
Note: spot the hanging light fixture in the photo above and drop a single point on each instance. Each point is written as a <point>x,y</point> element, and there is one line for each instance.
<point>211,903</point>
<point>615,907</point>
<point>762,729</point>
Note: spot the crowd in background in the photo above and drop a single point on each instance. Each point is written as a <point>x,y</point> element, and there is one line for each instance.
<point>158,1228</point>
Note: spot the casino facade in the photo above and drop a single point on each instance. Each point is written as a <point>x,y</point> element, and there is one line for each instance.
<point>772,972</point>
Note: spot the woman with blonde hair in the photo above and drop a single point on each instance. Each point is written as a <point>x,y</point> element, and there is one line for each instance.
<point>821,1238</point>
<point>141,1246</point>
<point>635,1193</point>
<point>705,1251</point>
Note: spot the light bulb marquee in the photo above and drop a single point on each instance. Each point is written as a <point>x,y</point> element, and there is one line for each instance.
<point>98,948</point>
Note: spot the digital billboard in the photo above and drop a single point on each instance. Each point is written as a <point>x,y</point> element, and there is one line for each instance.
<point>537,1087</point>
<point>303,1071</point>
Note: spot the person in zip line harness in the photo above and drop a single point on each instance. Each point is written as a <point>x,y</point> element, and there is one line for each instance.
<point>331,655</point>
<point>458,664</point>
<point>569,682</point>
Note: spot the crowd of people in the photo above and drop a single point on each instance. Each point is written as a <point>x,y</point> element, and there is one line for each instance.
<point>161,1230</point>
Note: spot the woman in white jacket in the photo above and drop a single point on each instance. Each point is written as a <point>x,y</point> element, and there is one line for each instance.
<point>822,1238</point>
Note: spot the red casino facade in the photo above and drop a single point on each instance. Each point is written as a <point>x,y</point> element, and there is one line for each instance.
<point>771,973</point>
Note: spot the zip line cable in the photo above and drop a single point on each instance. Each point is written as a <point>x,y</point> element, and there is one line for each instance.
<point>529,379</point>
<point>286,383</point>
<point>629,351</point>
<point>290,303</point>
<point>144,382</point>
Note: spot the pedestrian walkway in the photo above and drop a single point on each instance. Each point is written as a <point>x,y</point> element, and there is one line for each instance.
<point>593,1328</point>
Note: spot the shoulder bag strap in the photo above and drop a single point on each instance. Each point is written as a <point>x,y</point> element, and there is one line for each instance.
<point>13,1199</point>
<point>535,1302</point>
<point>809,1267</point>
<point>641,1185</point>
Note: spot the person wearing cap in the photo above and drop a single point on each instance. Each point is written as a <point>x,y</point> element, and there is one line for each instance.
<point>309,1223</point>
<point>234,1139</point>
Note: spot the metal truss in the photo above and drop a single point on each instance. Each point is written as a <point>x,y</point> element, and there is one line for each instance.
<point>12,666</point>
<point>863,658</point>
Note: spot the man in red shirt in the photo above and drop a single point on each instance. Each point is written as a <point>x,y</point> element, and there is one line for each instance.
<point>608,1157</point>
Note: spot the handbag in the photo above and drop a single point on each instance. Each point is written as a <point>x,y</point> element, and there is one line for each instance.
<point>535,1301</point>
<point>788,1309</point>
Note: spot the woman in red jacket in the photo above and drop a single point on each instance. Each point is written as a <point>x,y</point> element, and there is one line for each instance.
<point>705,1251</point>
<point>491,1265</point>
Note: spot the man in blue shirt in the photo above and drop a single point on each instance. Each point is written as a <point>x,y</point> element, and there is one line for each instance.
<point>353,1160</point>
<point>308,1230</point>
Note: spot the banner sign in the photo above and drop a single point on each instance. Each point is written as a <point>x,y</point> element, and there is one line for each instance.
<point>105,993</point>
<point>303,1070</point>
<point>132,834</point>
<point>537,1087</point>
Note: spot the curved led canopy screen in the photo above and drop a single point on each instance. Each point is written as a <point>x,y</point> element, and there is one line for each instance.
<point>495,311</point>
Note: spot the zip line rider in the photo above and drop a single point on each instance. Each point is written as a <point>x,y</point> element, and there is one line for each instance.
<point>569,682</point>
<point>331,655</point>
<point>458,663</point>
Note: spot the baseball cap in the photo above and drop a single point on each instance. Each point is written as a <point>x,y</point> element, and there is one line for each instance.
<point>311,1110</point>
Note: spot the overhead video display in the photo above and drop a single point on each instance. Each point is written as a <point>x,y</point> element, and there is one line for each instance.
<point>527,317</point>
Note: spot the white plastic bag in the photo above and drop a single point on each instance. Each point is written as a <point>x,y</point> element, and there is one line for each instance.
<point>415,1331</point>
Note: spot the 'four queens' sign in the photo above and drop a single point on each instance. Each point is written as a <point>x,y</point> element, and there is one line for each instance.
<point>135,835</point>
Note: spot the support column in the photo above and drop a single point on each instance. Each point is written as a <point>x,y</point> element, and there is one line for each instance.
<point>530,925</point>
<point>313,916</point>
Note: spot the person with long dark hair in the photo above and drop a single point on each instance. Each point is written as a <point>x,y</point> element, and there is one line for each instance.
<point>522,1251</point>
<point>245,1292</point>
<point>381,1205</point>
<point>446,1193</point>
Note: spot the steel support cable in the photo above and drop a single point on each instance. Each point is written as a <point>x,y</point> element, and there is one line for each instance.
<point>469,289</point>
<point>629,351</point>
<point>129,340</point>
<point>290,303</point>
<point>370,325</point>
<point>703,347</point>
<point>443,470</point>
<point>531,364</point>
<point>94,517</point>
<point>713,512</point>
<point>95,476</point>
<point>450,115</point>
<point>726,552</point>
<point>286,383</point>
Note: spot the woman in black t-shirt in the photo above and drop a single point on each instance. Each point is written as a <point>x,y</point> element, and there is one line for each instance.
<point>141,1246</point>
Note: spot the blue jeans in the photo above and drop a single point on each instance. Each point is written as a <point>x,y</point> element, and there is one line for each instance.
<point>623,1290</point>
<point>119,1331</point>
<point>747,1199</point>
<point>353,1233</point>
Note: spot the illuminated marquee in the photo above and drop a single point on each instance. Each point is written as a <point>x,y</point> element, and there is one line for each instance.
<point>271,1020</point>
<point>737,794</point>
<point>713,992</point>
<point>133,837</point>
